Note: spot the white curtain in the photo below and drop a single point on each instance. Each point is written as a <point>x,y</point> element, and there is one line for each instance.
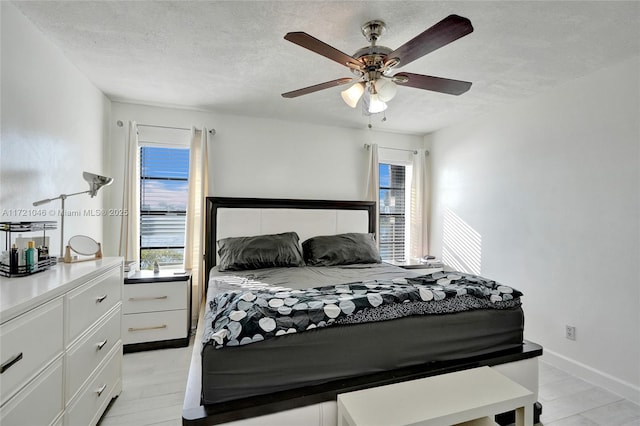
<point>373,182</point>
<point>194,233</point>
<point>419,220</point>
<point>130,223</point>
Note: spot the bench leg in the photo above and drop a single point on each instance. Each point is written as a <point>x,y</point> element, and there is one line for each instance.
<point>509,418</point>
<point>524,416</point>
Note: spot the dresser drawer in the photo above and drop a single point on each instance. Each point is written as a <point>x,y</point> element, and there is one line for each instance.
<point>29,342</point>
<point>154,297</point>
<point>87,408</point>
<point>92,300</point>
<point>86,354</point>
<point>154,326</point>
<point>40,403</point>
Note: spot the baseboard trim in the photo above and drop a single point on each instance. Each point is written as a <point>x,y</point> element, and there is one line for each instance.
<point>620,387</point>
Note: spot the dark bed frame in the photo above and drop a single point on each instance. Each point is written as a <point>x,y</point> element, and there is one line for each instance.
<point>194,413</point>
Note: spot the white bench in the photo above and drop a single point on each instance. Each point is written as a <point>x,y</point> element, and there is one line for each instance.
<point>442,400</point>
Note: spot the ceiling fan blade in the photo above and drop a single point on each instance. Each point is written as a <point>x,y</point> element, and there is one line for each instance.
<point>322,48</point>
<point>317,87</point>
<point>444,32</point>
<point>435,84</point>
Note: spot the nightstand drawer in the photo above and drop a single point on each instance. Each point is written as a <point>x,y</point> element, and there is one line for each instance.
<point>91,301</point>
<point>29,342</point>
<point>40,403</point>
<point>154,326</point>
<point>85,356</point>
<point>154,297</point>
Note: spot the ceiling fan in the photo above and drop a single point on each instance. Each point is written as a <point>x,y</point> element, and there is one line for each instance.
<point>373,64</point>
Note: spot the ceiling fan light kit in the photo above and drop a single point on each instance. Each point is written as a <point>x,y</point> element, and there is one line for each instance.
<point>385,88</point>
<point>376,105</point>
<point>373,64</point>
<point>352,95</point>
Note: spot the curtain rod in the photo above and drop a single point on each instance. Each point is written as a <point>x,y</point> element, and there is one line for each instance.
<point>211,131</point>
<point>415,151</point>
<point>120,124</point>
<point>163,127</point>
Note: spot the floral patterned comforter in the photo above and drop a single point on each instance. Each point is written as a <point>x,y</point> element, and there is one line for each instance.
<point>254,311</point>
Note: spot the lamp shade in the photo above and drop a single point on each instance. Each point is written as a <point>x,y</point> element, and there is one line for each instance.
<point>376,105</point>
<point>352,95</point>
<point>386,89</point>
<point>96,182</point>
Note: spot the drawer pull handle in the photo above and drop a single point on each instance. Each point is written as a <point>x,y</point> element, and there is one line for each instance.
<point>5,366</point>
<point>101,298</point>
<point>137,299</point>
<point>153,327</point>
<point>101,389</point>
<point>101,344</point>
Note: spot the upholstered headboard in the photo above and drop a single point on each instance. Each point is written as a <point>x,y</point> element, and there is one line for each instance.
<point>237,217</point>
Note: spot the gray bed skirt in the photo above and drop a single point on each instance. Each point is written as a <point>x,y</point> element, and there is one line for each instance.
<point>323,355</point>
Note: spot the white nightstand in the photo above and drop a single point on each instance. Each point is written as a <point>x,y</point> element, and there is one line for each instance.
<point>156,310</point>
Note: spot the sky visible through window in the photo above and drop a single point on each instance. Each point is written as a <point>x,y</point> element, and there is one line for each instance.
<point>164,186</point>
<point>385,176</point>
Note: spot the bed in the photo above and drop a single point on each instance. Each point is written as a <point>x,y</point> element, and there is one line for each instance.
<point>251,375</point>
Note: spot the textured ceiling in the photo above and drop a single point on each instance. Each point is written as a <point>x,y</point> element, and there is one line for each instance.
<point>230,56</point>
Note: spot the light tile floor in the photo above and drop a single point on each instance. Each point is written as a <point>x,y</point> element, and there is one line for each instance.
<point>154,383</point>
<point>569,401</point>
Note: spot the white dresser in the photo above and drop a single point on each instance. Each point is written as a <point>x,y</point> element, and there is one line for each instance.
<point>60,344</point>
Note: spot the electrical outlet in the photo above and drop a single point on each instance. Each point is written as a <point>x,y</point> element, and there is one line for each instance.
<point>570,332</point>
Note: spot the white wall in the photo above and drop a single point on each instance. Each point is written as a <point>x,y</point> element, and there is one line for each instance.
<point>258,157</point>
<point>53,127</point>
<point>544,195</point>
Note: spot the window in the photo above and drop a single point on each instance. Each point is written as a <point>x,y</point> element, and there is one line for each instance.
<point>393,215</point>
<point>164,187</point>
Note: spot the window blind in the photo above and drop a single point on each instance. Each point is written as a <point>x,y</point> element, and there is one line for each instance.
<point>392,220</point>
<point>164,174</point>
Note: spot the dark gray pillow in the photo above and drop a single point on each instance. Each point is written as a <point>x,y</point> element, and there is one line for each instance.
<point>261,251</point>
<point>342,249</point>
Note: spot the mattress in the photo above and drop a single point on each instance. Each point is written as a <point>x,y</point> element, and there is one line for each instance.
<point>333,353</point>
<point>312,276</point>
